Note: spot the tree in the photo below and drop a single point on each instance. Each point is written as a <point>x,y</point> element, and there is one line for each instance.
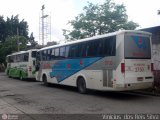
<point>11,25</point>
<point>99,19</point>
<point>13,30</point>
<point>2,29</point>
<point>11,45</point>
<point>32,41</point>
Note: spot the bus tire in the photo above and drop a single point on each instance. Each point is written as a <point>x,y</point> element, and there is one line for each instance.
<point>81,85</point>
<point>44,78</point>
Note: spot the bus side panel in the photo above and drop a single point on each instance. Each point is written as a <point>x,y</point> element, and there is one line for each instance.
<point>23,69</point>
<point>98,74</point>
<point>31,68</point>
<point>119,76</point>
<point>13,72</point>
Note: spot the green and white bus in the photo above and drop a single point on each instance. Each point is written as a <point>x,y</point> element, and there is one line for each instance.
<point>21,64</point>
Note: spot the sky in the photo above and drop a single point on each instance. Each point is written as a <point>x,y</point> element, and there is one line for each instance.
<point>143,12</point>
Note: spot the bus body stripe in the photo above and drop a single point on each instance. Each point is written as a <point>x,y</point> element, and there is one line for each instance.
<point>66,68</point>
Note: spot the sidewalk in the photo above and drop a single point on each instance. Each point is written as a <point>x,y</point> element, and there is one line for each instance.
<point>10,112</point>
<point>6,108</point>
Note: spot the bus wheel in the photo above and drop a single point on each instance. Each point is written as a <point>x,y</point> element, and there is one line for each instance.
<point>45,80</point>
<point>81,85</point>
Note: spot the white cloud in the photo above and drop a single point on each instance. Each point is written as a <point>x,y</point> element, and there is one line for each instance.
<point>143,12</point>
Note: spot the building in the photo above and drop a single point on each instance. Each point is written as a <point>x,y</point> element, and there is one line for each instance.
<point>156,51</point>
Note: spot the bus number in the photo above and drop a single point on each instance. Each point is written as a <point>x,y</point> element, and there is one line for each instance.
<point>139,69</point>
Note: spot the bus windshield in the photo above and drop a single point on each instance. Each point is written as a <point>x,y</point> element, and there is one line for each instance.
<point>137,47</point>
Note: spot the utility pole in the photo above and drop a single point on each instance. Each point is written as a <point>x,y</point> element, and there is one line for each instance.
<point>43,24</point>
<point>18,39</point>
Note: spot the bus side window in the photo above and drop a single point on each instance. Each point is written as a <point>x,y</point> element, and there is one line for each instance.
<point>98,45</point>
<point>38,56</point>
<point>52,54</point>
<point>10,59</point>
<point>14,58</point>
<point>62,52</point>
<point>56,52</point>
<point>80,50</point>
<point>26,55</point>
<point>109,46</point>
<point>19,58</point>
<point>48,55</point>
<point>67,51</point>
<point>44,55</point>
<point>83,50</point>
<point>73,50</point>
<point>91,50</point>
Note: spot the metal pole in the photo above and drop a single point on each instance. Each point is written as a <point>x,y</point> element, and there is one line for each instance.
<point>18,39</point>
<point>43,24</point>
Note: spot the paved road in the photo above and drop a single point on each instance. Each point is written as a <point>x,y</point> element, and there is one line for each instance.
<point>30,97</point>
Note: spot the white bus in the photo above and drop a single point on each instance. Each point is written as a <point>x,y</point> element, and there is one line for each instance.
<point>21,64</point>
<point>116,61</point>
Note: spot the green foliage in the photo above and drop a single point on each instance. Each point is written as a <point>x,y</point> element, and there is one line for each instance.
<point>32,41</point>
<point>11,45</point>
<point>9,29</point>
<point>99,19</point>
<point>10,26</point>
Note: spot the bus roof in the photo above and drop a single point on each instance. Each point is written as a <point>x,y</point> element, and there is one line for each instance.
<point>20,52</point>
<point>96,37</point>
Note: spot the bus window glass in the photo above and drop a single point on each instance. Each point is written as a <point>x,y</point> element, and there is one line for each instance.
<point>110,46</point>
<point>21,57</point>
<point>44,55</point>
<point>80,49</point>
<point>18,58</point>
<point>26,57</point>
<point>10,60</point>
<point>137,47</point>
<point>99,47</point>
<point>62,52</point>
<point>48,54</point>
<point>94,48</point>
<point>90,49</point>
<point>84,49</point>
<point>14,58</point>
<point>57,52</point>
<point>34,54</point>
<point>38,56</point>
<point>67,51</point>
<point>73,50</point>
<point>52,54</point>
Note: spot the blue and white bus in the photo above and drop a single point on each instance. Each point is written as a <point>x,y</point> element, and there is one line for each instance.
<point>116,61</point>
